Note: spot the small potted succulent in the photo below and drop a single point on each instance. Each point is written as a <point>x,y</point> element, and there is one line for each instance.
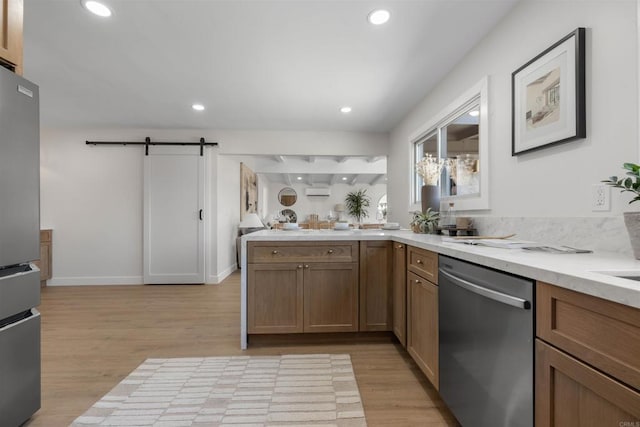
<point>630,184</point>
<point>425,222</point>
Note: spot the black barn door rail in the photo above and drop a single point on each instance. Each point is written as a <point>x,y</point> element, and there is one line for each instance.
<point>147,142</point>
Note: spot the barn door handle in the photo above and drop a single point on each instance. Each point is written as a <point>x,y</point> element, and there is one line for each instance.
<point>200,214</point>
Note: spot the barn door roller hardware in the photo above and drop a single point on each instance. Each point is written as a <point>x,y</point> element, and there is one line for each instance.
<point>147,142</point>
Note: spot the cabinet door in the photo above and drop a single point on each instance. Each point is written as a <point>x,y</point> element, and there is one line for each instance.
<point>274,298</point>
<point>422,325</point>
<point>11,12</point>
<point>400,292</point>
<point>376,298</point>
<point>331,297</point>
<point>571,393</point>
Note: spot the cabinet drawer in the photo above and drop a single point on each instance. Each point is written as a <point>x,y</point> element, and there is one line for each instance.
<point>259,252</point>
<point>602,333</point>
<point>423,263</point>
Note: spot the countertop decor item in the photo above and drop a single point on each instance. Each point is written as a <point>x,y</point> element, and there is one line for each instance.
<point>357,203</point>
<point>630,184</point>
<point>424,222</point>
<point>548,96</point>
<point>429,168</point>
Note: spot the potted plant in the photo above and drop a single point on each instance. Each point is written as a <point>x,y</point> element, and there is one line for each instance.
<point>357,203</point>
<point>630,184</point>
<point>425,222</point>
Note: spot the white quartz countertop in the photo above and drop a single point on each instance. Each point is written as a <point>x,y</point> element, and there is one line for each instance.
<point>579,272</point>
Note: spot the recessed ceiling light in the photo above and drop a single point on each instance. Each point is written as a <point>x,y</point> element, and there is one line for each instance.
<point>474,113</point>
<point>97,8</point>
<point>346,109</point>
<point>378,17</point>
<point>299,178</point>
<point>344,178</point>
<point>198,107</point>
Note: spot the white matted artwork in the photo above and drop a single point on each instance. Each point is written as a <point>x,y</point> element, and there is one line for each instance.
<point>548,96</point>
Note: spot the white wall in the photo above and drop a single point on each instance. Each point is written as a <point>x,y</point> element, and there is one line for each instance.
<point>555,181</point>
<point>91,196</point>
<point>322,205</point>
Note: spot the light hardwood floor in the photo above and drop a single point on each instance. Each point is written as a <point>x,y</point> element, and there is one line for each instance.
<point>94,336</point>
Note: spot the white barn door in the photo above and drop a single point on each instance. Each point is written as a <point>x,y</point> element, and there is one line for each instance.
<point>174,199</point>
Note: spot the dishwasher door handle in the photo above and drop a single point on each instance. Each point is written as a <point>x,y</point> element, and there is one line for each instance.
<point>487,293</point>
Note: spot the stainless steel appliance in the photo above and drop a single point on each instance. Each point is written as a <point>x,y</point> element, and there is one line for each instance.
<point>486,344</point>
<point>19,245</point>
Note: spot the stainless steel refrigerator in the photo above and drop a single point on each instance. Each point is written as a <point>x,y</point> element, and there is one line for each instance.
<point>19,245</point>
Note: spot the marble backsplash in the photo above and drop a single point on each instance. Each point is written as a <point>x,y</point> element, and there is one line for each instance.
<point>595,233</point>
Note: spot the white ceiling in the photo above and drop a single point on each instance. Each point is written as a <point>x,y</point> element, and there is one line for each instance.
<point>262,64</point>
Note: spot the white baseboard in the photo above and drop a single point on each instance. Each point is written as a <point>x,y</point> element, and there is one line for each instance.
<point>217,279</point>
<point>95,281</point>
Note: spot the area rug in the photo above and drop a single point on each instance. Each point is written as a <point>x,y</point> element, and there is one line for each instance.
<point>301,390</point>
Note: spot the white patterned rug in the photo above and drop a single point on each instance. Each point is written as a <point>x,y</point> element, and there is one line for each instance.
<point>313,389</point>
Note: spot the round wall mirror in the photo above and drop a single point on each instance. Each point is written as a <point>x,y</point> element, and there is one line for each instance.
<point>287,196</point>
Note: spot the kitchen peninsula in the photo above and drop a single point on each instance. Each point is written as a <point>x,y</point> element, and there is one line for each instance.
<point>587,319</point>
<point>592,274</point>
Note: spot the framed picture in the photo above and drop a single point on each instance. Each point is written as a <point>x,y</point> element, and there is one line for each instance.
<point>548,96</point>
<point>248,191</point>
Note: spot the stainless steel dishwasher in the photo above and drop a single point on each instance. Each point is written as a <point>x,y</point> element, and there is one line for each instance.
<point>486,344</point>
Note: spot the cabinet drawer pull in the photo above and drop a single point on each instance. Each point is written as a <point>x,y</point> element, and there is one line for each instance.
<point>418,281</point>
<point>300,266</point>
<point>399,247</point>
<point>306,266</point>
<point>330,251</point>
<point>274,252</point>
<point>419,261</point>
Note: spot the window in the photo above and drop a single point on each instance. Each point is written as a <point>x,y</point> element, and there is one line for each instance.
<point>459,135</point>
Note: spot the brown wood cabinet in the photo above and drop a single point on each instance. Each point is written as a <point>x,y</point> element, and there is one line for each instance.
<point>376,291</point>
<point>44,263</point>
<point>302,287</point>
<point>422,311</point>
<point>11,22</point>
<point>274,298</point>
<point>587,360</point>
<point>330,297</point>
<point>400,292</point>
<point>571,393</point>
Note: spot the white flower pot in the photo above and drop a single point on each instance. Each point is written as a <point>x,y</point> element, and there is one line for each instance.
<point>632,221</point>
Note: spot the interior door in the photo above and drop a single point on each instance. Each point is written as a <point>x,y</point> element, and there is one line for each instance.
<point>174,199</point>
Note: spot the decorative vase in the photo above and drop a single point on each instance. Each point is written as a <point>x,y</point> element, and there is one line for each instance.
<point>632,221</point>
<point>430,196</point>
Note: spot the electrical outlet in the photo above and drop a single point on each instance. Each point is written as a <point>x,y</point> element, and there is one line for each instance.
<point>600,197</point>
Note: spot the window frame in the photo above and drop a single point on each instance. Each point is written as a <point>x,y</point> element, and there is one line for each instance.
<point>476,95</point>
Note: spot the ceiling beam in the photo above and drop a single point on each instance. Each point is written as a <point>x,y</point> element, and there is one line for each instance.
<point>279,159</point>
<point>311,159</point>
<point>334,179</point>
<point>354,180</point>
<point>378,179</point>
<point>374,159</point>
<point>342,159</point>
<point>287,179</point>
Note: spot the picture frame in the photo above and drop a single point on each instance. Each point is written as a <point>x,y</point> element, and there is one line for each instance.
<point>548,96</point>
<point>248,191</point>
